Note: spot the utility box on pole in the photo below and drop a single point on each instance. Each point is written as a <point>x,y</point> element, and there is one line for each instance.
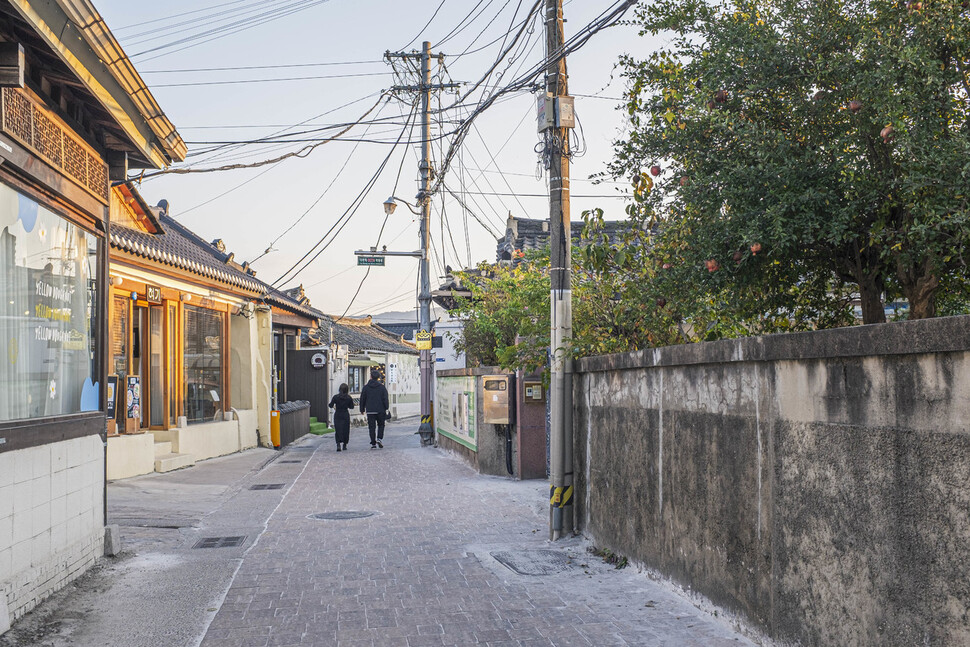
<point>555,112</point>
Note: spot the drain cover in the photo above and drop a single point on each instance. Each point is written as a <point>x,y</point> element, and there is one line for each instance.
<point>291,461</point>
<point>533,562</point>
<point>267,486</point>
<point>220,542</point>
<point>343,515</point>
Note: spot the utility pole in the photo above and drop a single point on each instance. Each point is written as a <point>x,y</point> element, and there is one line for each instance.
<point>425,430</point>
<point>424,88</point>
<point>560,241</point>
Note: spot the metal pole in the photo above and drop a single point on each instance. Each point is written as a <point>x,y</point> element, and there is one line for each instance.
<point>424,296</point>
<point>557,141</point>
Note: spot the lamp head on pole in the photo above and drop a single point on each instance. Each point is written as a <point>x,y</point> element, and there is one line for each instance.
<point>389,206</point>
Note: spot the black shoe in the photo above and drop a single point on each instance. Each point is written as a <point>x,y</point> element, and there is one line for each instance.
<point>380,444</point>
<point>373,446</point>
<point>338,448</point>
<point>345,446</point>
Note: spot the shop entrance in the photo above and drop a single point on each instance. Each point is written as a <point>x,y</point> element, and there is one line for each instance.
<point>147,362</point>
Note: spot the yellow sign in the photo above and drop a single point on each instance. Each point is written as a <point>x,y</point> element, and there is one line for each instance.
<point>424,340</point>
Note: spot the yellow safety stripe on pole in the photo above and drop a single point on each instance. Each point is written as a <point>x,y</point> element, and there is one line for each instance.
<point>560,497</point>
<point>426,419</point>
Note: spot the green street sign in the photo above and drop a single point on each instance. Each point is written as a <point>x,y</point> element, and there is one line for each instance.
<point>371,261</point>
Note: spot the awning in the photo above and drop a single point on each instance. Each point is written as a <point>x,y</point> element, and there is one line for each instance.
<point>362,361</point>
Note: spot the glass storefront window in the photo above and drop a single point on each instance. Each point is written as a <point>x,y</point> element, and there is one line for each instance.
<point>204,331</point>
<point>48,312</point>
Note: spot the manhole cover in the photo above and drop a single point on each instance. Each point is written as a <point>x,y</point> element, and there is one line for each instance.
<point>267,486</point>
<point>220,542</point>
<point>343,515</point>
<point>533,562</point>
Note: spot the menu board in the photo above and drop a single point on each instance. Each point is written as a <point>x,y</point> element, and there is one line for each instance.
<point>133,396</point>
<point>112,396</point>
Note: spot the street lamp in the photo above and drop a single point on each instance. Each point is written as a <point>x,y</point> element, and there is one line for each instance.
<point>391,204</point>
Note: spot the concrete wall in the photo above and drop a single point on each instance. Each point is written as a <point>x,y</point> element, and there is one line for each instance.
<point>130,455</point>
<point>815,483</point>
<point>251,369</point>
<point>206,440</point>
<point>51,520</point>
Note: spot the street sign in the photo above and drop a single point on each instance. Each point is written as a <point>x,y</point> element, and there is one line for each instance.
<point>423,339</point>
<point>371,261</point>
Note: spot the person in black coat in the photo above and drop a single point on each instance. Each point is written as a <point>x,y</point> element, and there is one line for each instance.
<point>341,404</point>
<point>374,402</point>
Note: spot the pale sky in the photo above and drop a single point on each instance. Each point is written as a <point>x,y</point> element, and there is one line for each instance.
<point>250,208</point>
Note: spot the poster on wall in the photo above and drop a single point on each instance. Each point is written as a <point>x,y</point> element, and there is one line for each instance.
<point>455,414</point>
<point>133,396</point>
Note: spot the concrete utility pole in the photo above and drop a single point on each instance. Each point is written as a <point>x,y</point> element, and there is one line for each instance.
<point>424,294</point>
<point>424,88</point>
<point>557,147</point>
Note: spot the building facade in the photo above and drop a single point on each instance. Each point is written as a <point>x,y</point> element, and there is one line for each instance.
<point>74,115</point>
<point>189,344</point>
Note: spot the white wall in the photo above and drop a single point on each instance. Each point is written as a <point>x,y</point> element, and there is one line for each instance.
<point>51,519</point>
<point>405,391</point>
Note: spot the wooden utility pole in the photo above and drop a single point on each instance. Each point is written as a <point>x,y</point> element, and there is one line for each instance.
<point>557,148</point>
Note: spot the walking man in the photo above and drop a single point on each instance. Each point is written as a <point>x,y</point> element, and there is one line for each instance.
<point>374,402</point>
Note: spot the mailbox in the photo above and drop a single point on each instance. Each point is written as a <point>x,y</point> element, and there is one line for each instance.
<point>496,390</point>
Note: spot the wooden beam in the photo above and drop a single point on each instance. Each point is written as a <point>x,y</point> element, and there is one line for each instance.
<point>12,64</point>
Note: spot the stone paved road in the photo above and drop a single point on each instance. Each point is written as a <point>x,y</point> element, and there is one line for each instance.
<point>421,572</point>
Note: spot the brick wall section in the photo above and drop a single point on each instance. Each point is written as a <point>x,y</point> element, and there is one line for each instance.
<point>815,483</point>
<point>51,519</point>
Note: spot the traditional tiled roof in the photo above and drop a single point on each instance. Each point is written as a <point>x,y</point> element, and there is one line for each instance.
<point>282,299</point>
<point>524,234</point>
<point>361,334</point>
<point>400,330</point>
<point>179,247</point>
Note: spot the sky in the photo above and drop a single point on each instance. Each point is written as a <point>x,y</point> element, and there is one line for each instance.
<point>328,69</point>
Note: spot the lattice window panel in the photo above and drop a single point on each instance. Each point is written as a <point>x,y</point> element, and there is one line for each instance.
<point>47,138</point>
<point>75,160</point>
<point>16,115</point>
<point>97,176</point>
<point>44,134</point>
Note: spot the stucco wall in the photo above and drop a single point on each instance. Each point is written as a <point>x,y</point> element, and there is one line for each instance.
<point>51,519</point>
<point>815,483</point>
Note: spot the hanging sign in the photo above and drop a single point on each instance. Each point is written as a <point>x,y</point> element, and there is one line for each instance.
<point>318,360</point>
<point>371,261</point>
<point>153,294</point>
<point>423,339</point>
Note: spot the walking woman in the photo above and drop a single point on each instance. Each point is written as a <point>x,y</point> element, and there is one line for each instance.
<point>341,404</point>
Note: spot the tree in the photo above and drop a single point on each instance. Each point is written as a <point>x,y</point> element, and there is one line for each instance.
<point>505,321</point>
<point>806,144</point>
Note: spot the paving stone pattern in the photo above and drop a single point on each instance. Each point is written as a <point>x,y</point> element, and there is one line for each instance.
<point>420,573</point>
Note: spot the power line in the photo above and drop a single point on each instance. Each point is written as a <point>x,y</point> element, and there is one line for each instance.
<point>241,68</point>
<point>281,79</point>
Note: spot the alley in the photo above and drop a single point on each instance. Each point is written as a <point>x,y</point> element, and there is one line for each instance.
<point>422,570</point>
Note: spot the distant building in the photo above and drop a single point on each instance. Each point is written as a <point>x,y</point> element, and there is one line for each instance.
<point>357,345</point>
<point>524,234</point>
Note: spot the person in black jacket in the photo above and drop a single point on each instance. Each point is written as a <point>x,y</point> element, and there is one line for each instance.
<point>341,404</point>
<point>374,402</point>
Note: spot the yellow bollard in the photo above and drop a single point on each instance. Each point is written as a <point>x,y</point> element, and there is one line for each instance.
<point>274,428</point>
